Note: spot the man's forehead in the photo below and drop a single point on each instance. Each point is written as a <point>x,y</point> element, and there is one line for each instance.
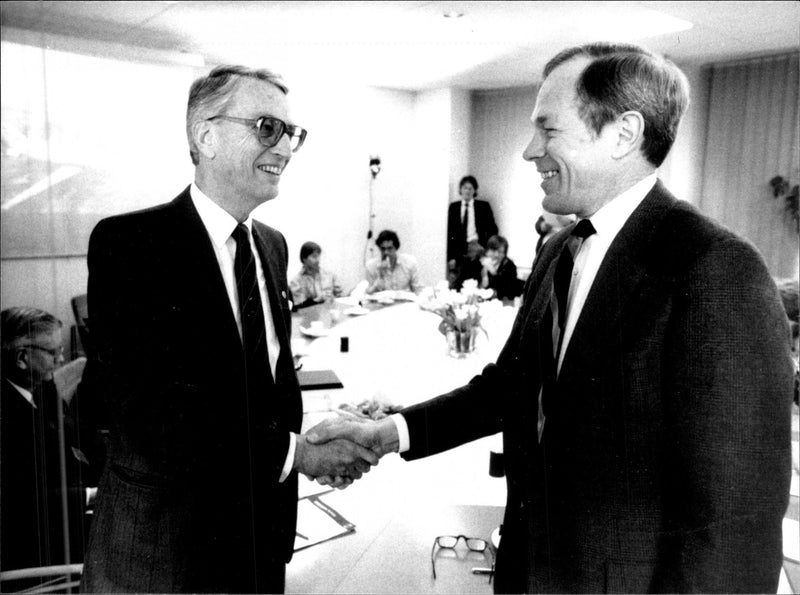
<point>558,88</point>
<point>53,337</point>
<point>260,97</point>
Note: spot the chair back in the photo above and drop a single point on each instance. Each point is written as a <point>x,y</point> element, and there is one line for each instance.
<point>80,309</point>
<point>63,578</point>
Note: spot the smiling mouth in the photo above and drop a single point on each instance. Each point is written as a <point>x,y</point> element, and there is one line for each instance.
<point>270,169</point>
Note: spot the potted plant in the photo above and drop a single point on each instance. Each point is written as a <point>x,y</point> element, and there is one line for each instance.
<point>791,195</point>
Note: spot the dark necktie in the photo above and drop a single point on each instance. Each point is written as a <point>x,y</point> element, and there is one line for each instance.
<point>563,274</point>
<point>254,333</point>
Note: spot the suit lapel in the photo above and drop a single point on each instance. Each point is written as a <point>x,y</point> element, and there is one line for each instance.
<point>199,259</point>
<point>624,267</point>
<point>277,296</point>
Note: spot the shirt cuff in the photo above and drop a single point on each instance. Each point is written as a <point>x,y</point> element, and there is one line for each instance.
<point>287,466</point>
<point>404,440</point>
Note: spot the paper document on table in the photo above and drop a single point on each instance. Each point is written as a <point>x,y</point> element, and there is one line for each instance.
<point>318,522</point>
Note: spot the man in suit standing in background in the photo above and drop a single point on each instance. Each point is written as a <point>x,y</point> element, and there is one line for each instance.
<point>189,309</point>
<point>644,392</point>
<point>468,220</point>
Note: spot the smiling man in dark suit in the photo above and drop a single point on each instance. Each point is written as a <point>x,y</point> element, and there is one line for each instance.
<point>188,304</point>
<point>644,392</point>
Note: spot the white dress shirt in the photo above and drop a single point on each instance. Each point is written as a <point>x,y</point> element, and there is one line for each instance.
<point>24,392</point>
<point>607,222</point>
<point>220,225</point>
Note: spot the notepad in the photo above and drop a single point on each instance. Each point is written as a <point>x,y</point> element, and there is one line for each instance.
<point>318,379</point>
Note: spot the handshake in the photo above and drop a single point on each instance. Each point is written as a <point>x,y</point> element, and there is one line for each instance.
<point>338,451</point>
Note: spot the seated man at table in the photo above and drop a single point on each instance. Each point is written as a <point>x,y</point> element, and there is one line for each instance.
<point>31,471</point>
<point>499,273</point>
<point>393,270</point>
<point>313,284</point>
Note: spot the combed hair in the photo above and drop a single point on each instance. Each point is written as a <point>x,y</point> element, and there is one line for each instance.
<point>387,235</point>
<point>20,323</point>
<point>469,180</point>
<point>308,249</point>
<point>209,95</point>
<point>496,243</point>
<point>626,77</point>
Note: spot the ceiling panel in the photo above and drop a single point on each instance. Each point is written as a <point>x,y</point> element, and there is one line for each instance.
<point>411,45</point>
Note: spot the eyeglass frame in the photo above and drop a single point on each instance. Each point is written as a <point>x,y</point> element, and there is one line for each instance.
<point>486,548</point>
<point>290,129</point>
<point>55,353</point>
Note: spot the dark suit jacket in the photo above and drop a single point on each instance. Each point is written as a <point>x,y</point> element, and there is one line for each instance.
<point>190,498</point>
<point>484,224</point>
<point>665,459</point>
<point>31,514</point>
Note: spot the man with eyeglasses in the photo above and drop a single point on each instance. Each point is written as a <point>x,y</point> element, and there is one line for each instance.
<point>190,308</point>
<point>33,417</point>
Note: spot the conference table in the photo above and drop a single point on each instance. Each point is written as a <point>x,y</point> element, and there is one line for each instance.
<point>396,356</point>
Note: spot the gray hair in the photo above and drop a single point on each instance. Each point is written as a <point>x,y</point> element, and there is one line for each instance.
<point>209,95</point>
<point>20,324</point>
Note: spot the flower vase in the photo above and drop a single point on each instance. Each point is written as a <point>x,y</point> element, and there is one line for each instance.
<point>461,343</point>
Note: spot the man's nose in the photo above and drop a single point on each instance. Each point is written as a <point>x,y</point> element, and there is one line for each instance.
<point>283,147</point>
<point>535,148</point>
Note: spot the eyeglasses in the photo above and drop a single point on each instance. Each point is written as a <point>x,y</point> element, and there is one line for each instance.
<point>58,352</point>
<point>449,542</point>
<point>271,130</point>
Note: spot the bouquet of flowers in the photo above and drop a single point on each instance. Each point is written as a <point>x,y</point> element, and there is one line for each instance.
<point>459,311</point>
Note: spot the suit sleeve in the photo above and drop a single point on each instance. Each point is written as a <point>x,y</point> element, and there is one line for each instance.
<point>472,411</point>
<point>728,396</point>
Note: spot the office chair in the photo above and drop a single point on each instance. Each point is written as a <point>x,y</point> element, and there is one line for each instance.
<point>80,309</point>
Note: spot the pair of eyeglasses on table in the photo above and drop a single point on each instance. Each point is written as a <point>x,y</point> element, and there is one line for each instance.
<point>474,544</point>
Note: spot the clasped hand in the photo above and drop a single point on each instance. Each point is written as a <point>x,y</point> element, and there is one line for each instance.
<point>340,450</point>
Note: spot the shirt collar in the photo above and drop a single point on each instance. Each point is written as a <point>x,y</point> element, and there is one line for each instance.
<point>218,222</point>
<point>610,218</point>
<point>24,392</point>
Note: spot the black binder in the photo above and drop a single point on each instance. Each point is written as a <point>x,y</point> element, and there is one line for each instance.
<point>318,379</point>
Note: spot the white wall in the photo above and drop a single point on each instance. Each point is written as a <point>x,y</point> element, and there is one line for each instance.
<point>501,129</point>
<point>325,192</point>
<point>682,170</point>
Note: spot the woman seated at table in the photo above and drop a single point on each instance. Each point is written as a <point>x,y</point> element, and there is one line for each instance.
<point>392,271</point>
<point>499,272</point>
<point>313,284</point>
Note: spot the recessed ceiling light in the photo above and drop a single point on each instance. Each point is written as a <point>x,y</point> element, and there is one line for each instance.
<point>452,14</point>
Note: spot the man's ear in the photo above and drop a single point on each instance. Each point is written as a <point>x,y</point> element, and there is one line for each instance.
<point>630,134</point>
<point>21,359</point>
<point>205,138</point>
